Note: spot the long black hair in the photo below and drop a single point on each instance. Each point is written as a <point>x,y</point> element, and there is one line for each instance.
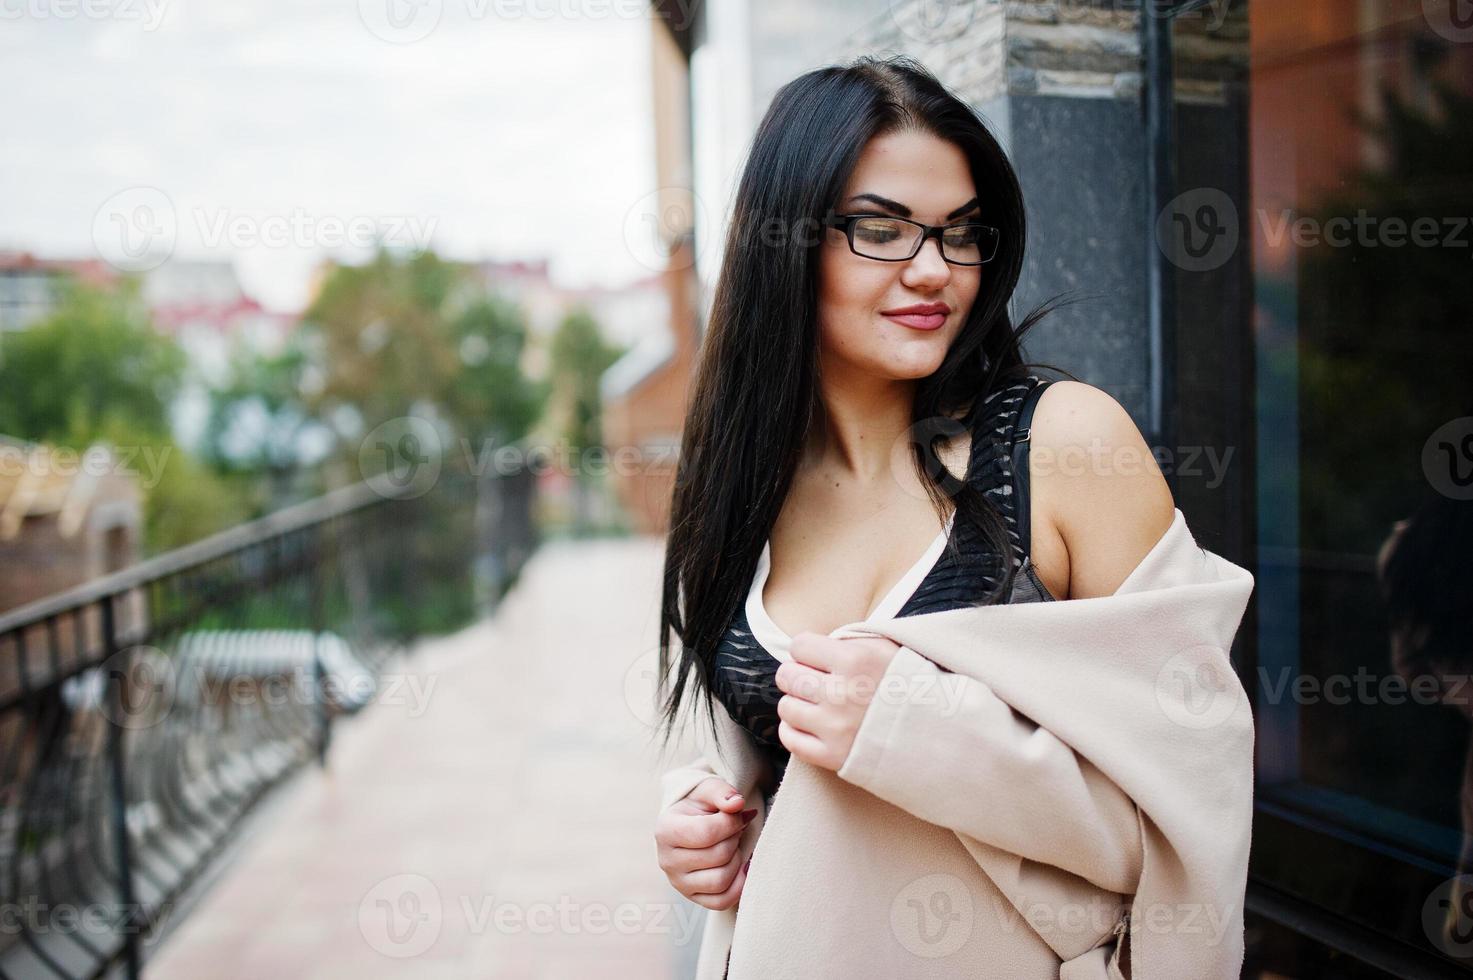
<point>756,388</point>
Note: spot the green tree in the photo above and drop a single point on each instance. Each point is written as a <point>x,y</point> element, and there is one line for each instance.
<point>96,371</point>
<point>418,336</point>
<point>579,358</point>
<point>95,368</point>
<point>491,396</point>
<point>186,499</point>
<point>257,419</point>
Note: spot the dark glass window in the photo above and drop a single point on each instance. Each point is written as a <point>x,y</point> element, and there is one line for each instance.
<point>1324,326</point>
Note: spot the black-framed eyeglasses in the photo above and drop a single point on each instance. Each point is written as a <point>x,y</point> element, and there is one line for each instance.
<point>878,236</point>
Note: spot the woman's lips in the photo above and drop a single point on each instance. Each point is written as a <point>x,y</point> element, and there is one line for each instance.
<point>919,321</point>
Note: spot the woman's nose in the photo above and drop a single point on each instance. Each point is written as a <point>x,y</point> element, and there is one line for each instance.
<point>927,265</point>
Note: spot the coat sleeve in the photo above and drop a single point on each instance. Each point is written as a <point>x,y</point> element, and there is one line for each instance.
<point>676,783</point>
<point>944,747</point>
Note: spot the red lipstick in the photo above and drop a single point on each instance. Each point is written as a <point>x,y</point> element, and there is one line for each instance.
<point>920,316</point>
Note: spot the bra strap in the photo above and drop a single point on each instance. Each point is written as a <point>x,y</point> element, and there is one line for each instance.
<point>1019,447</point>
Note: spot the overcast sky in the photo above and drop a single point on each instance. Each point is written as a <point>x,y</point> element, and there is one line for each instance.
<point>275,131</point>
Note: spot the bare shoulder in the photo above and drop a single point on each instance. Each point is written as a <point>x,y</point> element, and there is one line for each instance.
<point>1095,488</point>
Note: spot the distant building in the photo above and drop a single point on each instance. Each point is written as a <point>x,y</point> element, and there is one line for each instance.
<point>644,397</point>
<point>29,285</point>
<point>623,313</point>
<point>65,518</point>
<point>645,392</point>
<point>202,306</point>
<point>528,284</point>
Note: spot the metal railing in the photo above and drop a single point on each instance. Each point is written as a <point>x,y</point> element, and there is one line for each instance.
<point>143,714</point>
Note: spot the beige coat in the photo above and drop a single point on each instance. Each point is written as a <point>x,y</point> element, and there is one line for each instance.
<point>1030,782</point>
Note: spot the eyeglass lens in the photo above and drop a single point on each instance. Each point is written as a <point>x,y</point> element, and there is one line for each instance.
<point>891,238</point>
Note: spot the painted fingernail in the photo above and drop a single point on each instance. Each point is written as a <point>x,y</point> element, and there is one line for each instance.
<point>746,866</point>
<point>748,815</point>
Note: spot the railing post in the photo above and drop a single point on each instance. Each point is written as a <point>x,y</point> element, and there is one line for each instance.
<point>319,624</point>
<point>122,849</point>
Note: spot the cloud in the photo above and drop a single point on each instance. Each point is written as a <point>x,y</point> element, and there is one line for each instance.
<point>517,137</point>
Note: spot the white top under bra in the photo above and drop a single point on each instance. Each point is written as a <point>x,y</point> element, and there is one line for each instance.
<point>776,642</point>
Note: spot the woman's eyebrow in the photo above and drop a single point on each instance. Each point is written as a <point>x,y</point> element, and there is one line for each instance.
<point>904,211</point>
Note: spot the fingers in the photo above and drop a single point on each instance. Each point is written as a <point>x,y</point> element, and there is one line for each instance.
<point>804,745</point>
<point>805,716</point>
<point>718,888</point>
<point>816,650</point>
<point>801,681</point>
<point>683,860</point>
<point>699,841</point>
<point>700,829</point>
<point>717,795</point>
<point>704,830</point>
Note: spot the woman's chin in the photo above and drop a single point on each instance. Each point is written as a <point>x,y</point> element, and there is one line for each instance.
<point>913,364</point>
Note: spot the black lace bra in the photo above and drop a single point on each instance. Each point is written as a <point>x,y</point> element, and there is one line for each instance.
<point>943,578</point>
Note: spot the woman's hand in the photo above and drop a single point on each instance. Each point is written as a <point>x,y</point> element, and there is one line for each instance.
<point>699,842</point>
<point>827,687</point>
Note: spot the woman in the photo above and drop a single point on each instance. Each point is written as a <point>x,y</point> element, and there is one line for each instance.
<point>855,407</point>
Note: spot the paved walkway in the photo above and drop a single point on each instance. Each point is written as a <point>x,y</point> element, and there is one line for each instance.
<point>491,817</point>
